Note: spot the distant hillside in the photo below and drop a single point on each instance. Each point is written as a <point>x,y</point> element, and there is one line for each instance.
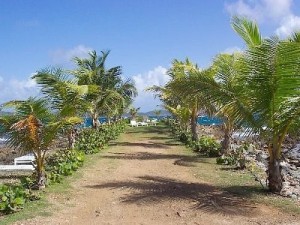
<point>5,113</point>
<point>151,113</point>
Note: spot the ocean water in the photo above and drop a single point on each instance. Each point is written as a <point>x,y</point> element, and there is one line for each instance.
<point>88,121</point>
<point>206,120</point>
<point>2,141</point>
<point>202,120</point>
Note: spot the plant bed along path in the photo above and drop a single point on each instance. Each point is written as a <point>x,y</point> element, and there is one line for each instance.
<point>146,178</point>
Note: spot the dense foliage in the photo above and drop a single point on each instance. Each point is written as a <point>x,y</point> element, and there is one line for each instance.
<point>205,145</point>
<point>13,197</point>
<point>257,88</point>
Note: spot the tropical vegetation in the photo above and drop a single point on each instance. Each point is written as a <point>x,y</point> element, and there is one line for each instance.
<point>257,89</point>
<point>67,97</point>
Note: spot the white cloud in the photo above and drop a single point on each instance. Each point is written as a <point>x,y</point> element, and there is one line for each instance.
<point>260,10</point>
<point>288,25</point>
<point>278,12</point>
<point>145,100</point>
<point>63,56</point>
<point>14,89</point>
<point>232,50</point>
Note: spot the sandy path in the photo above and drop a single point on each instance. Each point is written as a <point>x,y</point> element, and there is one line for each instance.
<point>142,180</point>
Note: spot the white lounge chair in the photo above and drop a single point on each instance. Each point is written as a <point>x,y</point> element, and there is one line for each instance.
<point>133,123</point>
<point>24,160</point>
<point>143,123</point>
<point>154,122</point>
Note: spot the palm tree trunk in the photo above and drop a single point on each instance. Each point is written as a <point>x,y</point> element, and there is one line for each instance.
<point>194,126</point>
<point>274,176</point>
<point>94,121</point>
<point>41,175</point>
<point>274,171</point>
<point>227,138</point>
<point>71,139</point>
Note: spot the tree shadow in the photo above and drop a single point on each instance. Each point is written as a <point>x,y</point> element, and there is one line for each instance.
<point>150,129</point>
<point>141,144</point>
<point>159,138</point>
<point>180,160</point>
<point>204,197</point>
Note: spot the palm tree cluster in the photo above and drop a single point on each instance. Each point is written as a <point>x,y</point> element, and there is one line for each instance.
<point>257,89</point>
<point>67,96</point>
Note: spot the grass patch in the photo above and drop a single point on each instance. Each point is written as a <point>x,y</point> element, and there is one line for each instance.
<point>237,182</point>
<point>241,183</point>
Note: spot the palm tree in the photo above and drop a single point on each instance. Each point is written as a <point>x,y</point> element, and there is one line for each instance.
<point>65,97</point>
<point>133,112</point>
<point>31,130</point>
<point>157,112</point>
<point>112,95</point>
<point>272,75</point>
<point>264,92</point>
<point>180,73</point>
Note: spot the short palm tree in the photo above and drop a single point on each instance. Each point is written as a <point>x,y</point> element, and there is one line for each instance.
<point>32,129</point>
<point>259,89</point>
<point>272,76</point>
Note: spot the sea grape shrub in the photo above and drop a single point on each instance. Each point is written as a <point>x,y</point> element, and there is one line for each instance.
<point>91,141</point>
<point>63,163</point>
<point>235,158</point>
<point>180,134</point>
<point>13,198</point>
<point>208,146</point>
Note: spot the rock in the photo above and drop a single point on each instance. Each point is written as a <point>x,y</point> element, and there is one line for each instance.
<point>293,196</point>
<point>285,184</point>
<point>294,153</point>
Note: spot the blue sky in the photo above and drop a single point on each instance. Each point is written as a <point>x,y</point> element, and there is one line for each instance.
<point>144,36</point>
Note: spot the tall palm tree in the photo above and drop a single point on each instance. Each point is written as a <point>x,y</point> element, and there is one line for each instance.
<point>65,96</point>
<point>180,73</point>
<point>112,94</point>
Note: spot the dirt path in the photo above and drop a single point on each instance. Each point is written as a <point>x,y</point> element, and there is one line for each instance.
<point>144,178</point>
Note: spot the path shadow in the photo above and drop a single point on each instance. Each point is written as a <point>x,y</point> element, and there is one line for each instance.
<point>204,197</point>
<point>160,138</point>
<point>151,129</point>
<point>180,160</point>
<point>142,144</point>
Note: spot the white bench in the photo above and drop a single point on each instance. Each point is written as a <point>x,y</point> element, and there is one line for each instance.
<point>24,160</point>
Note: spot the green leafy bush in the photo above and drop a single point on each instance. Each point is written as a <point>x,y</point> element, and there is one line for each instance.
<point>13,198</point>
<point>63,163</point>
<point>235,158</point>
<point>208,146</point>
<point>91,141</point>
